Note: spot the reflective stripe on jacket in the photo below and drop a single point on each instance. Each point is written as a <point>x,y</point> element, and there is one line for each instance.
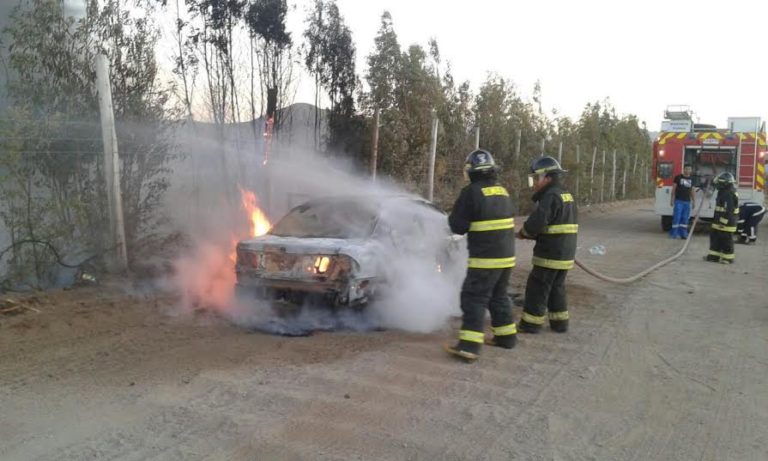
<point>485,213</point>
<point>554,226</point>
<point>726,211</point>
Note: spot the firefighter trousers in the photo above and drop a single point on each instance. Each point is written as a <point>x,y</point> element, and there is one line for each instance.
<point>720,246</point>
<point>748,229</point>
<point>485,289</point>
<point>545,291</point>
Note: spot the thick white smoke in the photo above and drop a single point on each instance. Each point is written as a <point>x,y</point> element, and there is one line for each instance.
<point>422,292</point>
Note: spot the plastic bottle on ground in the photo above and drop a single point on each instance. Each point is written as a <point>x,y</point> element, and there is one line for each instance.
<point>597,250</point>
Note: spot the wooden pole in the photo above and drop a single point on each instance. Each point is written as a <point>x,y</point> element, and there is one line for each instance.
<point>645,177</point>
<point>613,177</point>
<point>375,144</point>
<point>634,170</point>
<point>602,180</point>
<point>111,164</point>
<point>477,137</point>
<point>560,153</point>
<point>624,179</point>
<point>592,175</point>
<point>432,155</point>
<point>578,170</point>
<point>521,171</point>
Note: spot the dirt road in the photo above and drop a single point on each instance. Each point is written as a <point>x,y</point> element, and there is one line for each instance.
<point>674,367</point>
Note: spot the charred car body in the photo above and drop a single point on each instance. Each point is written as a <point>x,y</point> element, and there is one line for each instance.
<point>336,250</point>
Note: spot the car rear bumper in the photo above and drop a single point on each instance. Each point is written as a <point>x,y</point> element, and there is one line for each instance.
<point>352,292</point>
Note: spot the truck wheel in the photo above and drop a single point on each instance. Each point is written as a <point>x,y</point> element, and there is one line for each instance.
<point>666,223</point>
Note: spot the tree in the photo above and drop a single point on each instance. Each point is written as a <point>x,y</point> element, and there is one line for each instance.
<point>214,40</point>
<point>53,187</point>
<point>454,140</point>
<point>314,36</point>
<point>266,22</point>
<point>339,79</point>
<point>185,61</point>
<point>418,92</point>
<point>330,58</point>
<point>142,114</point>
<point>383,65</point>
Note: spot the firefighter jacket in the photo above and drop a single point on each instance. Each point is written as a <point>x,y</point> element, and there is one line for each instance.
<point>726,211</point>
<point>553,225</point>
<point>485,213</point>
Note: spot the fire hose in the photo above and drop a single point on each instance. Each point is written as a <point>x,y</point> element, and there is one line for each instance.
<point>658,265</point>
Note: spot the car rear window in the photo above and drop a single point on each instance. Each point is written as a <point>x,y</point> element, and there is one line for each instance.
<point>336,219</point>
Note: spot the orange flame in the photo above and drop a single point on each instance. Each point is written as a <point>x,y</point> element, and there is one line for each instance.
<point>207,277</point>
<point>258,223</point>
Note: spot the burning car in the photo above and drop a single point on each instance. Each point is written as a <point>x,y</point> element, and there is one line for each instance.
<point>337,250</point>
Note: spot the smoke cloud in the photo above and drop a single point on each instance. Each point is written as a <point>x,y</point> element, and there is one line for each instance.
<point>422,289</point>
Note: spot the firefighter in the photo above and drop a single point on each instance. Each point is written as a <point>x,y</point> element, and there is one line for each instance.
<point>750,215</point>
<point>554,227</point>
<point>485,213</point>
<point>724,220</point>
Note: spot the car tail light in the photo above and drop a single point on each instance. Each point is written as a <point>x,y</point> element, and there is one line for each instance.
<point>329,265</point>
<point>321,264</point>
<point>250,259</point>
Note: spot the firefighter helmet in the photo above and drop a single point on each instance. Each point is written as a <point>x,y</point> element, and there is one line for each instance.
<point>724,180</point>
<point>546,166</point>
<point>479,161</point>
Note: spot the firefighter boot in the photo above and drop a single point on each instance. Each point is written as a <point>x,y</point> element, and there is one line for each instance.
<point>530,323</point>
<point>526,327</point>
<point>467,350</point>
<point>504,342</point>
<point>558,321</point>
<point>559,326</point>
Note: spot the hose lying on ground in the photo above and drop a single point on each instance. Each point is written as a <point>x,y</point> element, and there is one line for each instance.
<point>642,274</point>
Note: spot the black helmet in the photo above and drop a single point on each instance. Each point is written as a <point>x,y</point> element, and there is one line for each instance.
<point>479,161</point>
<point>724,180</point>
<point>546,166</point>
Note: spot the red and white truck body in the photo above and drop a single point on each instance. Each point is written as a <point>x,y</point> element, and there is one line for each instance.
<point>739,149</point>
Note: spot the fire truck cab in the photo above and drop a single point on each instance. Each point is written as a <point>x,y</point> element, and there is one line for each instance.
<point>739,149</point>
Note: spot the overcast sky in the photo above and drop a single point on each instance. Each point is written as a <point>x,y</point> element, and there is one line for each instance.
<point>643,55</point>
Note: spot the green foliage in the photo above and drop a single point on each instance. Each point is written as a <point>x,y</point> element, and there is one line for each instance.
<point>330,57</point>
<point>50,138</point>
<point>383,65</point>
<point>265,20</point>
<point>405,87</point>
<point>51,167</point>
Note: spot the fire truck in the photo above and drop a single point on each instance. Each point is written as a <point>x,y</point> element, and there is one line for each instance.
<point>739,149</point>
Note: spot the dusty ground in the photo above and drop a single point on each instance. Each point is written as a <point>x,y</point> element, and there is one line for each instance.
<point>674,367</point>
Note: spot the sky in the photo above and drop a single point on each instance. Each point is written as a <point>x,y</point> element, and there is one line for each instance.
<point>643,55</point>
